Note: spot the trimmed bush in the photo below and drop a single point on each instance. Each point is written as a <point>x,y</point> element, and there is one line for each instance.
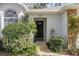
<point>30,50</point>
<point>31,26</point>
<point>18,39</point>
<point>23,45</point>
<point>14,31</point>
<point>56,44</point>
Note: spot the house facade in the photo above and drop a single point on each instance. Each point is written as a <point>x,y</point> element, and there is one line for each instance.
<point>46,18</point>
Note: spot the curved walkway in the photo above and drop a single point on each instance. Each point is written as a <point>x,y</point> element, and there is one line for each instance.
<point>44,51</point>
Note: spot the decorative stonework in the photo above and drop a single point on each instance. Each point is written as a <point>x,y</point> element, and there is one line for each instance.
<point>71,11</point>
<point>71,34</point>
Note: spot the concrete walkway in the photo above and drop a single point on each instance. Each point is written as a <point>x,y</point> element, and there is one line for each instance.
<point>44,51</point>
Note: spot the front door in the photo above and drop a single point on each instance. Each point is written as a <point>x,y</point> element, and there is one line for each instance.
<point>39,34</point>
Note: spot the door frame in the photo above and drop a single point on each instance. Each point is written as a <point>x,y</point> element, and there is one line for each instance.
<point>44,26</point>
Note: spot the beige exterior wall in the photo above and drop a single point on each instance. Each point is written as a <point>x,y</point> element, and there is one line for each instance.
<point>64,26</point>
<point>58,22</point>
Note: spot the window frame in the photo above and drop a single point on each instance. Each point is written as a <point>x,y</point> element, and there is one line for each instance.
<point>10,19</point>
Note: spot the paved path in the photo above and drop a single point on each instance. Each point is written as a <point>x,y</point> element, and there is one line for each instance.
<point>44,51</point>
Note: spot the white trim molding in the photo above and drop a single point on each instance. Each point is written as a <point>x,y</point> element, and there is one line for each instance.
<point>2,20</point>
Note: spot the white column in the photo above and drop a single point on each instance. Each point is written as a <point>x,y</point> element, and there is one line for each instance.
<point>2,20</point>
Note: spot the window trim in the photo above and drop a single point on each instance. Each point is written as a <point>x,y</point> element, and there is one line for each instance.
<point>8,21</point>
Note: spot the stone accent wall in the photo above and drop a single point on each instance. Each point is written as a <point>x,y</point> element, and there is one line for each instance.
<point>71,34</point>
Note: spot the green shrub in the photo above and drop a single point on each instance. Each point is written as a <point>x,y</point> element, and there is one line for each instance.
<point>31,49</point>
<point>18,38</point>
<point>23,45</point>
<point>56,44</point>
<point>31,26</point>
<point>13,31</point>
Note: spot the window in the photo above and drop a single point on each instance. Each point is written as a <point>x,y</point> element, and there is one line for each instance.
<point>58,4</point>
<point>10,17</point>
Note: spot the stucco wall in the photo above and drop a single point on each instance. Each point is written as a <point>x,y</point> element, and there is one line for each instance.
<point>54,21</point>
<point>64,26</point>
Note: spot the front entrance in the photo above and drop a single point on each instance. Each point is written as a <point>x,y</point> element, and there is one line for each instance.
<point>41,29</point>
<point>40,32</point>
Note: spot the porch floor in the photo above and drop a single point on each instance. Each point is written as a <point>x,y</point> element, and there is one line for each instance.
<point>44,51</point>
